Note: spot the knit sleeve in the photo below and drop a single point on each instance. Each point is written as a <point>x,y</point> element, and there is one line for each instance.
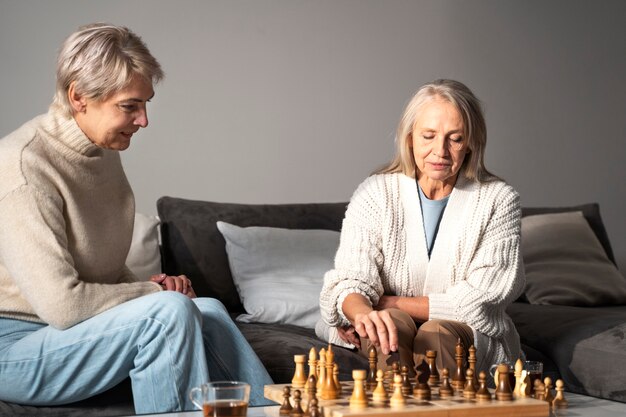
<point>33,249</point>
<point>359,255</point>
<point>493,277</point>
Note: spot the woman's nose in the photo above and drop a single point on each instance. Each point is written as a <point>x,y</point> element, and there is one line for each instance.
<point>142,119</point>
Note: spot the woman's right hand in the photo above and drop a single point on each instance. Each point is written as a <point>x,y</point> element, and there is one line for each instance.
<point>379,328</point>
<point>179,283</point>
<point>375,325</point>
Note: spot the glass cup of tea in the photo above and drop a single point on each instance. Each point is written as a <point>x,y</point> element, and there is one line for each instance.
<point>534,370</point>
<point>221,398</point>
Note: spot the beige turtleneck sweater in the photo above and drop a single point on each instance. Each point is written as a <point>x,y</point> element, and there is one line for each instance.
<point>66,221</point>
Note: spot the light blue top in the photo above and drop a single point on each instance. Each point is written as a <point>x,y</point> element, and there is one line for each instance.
<point>432,211</point>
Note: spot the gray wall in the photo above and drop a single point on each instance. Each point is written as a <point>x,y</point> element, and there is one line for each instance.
<point>273,101</point>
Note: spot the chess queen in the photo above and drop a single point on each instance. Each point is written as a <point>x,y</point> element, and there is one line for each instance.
<point>430,244</point>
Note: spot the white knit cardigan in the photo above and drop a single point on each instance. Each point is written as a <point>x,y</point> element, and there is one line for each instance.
<point>475,270</point>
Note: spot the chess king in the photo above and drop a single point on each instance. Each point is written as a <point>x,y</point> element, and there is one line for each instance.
<point>430,244</point>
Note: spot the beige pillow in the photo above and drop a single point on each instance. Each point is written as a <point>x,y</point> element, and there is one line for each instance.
<point>565,263</point>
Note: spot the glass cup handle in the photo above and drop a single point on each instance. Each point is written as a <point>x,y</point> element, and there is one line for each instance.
<point>192,397</point>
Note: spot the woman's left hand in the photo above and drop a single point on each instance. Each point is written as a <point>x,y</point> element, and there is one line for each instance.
<point>179,283</point>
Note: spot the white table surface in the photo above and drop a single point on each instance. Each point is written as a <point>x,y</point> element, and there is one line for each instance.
<point>579,405</point>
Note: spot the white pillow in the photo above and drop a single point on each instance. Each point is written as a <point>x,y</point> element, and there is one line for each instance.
<point>278,273</point>
<point>144,257</point>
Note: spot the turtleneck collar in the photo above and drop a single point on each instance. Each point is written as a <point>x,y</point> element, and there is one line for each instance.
<point>65,131</point>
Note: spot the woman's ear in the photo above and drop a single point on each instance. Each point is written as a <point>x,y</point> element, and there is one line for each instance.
<point>77,101</point>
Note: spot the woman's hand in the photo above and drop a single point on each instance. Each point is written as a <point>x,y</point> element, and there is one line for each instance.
<point>379,328</point>
<point>179,283</point>
<point>349,335</point>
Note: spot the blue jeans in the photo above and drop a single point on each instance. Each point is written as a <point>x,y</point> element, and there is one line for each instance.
<point>165,342</point>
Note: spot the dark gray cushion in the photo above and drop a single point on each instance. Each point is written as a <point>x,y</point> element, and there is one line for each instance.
<point>276,344</point>
<point>192,245</point>
<point>586,344</point>
<point>590,211</point>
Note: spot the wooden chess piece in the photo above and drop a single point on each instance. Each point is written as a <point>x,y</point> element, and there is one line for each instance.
<point>311,391</point>
<point>379,396</point>
<point>397,399</point>
<point>329,392</point>
<point>312,366</point>
<point>547,391</point>
<point>483,393</point>
<point>445,390</point>
<point>469,392</point>
<point>407,388</point>
<point>471,360</point>
<point>517,391</point>
<point>421,391</point>
<point>321,374</point>
<point>373,362</point>
<point>559,400</point>
<point>336,379</point>
<point>297,410</point>
<point>525,387</point>
<point>299,377</point>
<point>395,367</point>
<point>504,392</point>
<point>538,388</point>
<point>458,378</point>
<point>314,410</point>
<point>359,397</point>
<point>285,407</point>
<point>431,359</point>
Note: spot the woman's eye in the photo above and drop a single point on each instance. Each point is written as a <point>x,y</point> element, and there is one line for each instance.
<point>457,139</point>
<point>128,107</point>
<point>428,137</point>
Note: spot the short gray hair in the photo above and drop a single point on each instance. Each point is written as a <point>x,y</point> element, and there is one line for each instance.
<point>474,125</point>
<point>102,59</point>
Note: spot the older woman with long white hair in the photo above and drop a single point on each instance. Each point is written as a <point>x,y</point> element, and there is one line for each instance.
<point>74,320</point>
<point>430,245</point>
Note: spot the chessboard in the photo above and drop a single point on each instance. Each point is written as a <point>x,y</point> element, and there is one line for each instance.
<point>380,393</point>
<point>455,406</point>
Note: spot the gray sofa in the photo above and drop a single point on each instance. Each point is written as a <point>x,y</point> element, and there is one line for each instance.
<point>584,346</point>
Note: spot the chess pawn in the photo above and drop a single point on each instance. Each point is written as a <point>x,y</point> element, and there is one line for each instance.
<point>299,377</point>
<point>297,410</point>
<point>503,390</point>
<point>422,389</point>
<point>517,391</point>
<point>359,397</point>
<point>483,393</point>
<point>468,391</point>
<point>538,388</point>
<point>379,395</point>
<point>373,362</point>
<point>445,390</point>
<point>285,408</point>
<point>312,366</point>
<point>407,388</point>
<point>547,391</point>
<point>314,409</point>
<point>329,390</point>
<point>397,399</point>
<point>559,400</point>
<point>311,389</point>
<point>431,359</point>
<point>458,379</point>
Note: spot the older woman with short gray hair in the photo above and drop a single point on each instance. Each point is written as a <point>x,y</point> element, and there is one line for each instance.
<point>74,320</point>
